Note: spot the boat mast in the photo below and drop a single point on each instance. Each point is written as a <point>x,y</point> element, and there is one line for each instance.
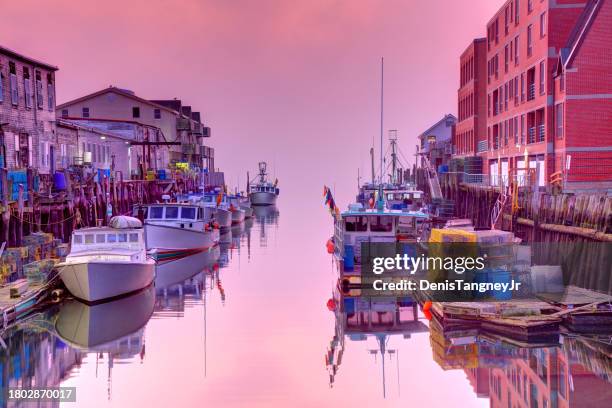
<point>372,159</point>
<point>382,79</point>
<point>393,141</point>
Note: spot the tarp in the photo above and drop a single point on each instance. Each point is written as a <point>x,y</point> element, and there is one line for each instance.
<point>123,221</point>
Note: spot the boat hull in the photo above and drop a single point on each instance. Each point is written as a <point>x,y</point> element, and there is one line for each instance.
<point>95,281</point>
<point>248,212</point>
<point>223,217</point>
<point>238,215</point>
<point>173,241</point>
<point>262,198</point>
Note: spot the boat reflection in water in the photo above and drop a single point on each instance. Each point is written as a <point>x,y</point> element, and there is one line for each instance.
<point>177,271</point>
<point>377,322</point>
<point>574,372</point>
<point>266,216</point>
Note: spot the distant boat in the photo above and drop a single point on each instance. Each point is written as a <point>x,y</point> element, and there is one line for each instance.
<point>106,262</point>
<point>174,230</point>
<point>238,213</point>
<point>263,192</point>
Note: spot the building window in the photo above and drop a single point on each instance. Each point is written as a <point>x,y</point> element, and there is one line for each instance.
<point>529,6</point>
<point>39,91</point>
<point>559,120</point>
<point>516,50</point>
<point>543,24</point>
<point>497,31</point>
<point>85,112</point>
<point>529,40</point>
<point>135,112</point>
<point>542,77</point>
<point>1,90</point>
<point>522,129</point>
<point>27,88</point>
<point>506,58</point>
<point>516,90</point>
<point>64,113</point>
<point>50,93</point>
<point>496,66</point>
<point>516,130</point>
<point>523,87</point>
<point>13,84</point>
<point>506,12</point>
<point>157,113</point>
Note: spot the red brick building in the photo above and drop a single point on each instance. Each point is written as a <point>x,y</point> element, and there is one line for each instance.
<point>527,42</point>
<point>471,128</point>
<point>582,93</point>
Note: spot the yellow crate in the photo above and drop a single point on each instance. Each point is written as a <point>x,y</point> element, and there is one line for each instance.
<point>451,235</point>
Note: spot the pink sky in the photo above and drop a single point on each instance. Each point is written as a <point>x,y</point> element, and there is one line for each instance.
<point>293,82</point>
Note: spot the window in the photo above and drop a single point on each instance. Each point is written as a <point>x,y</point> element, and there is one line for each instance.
<point>157,113</point>
<point>13,84</point>
<point>135,112</point>
<point>122,237</point>
<point>1,87</point>
<point>542,77</point>
<point>89,238</point>
<point>506,58</point>
<point>188,213</point>
<point>516,50</point>
<point>39,91</point>
<point>77,239</point>
<point>172,212</point>
<point>522,87</point>
<point>111,238</point>
<point>529,40</point>
<point>497,31</point>
<point>516,12</point>
<point>50,93</point>
<point>381,223</point>
<point>156,212</point>
<point>559,120</point>
<point>529,6</point>
<point>353,224</point>
<point>543,24</point>
<point>27,88</point>
<point>506,12</point>
<point>522,141</point>
<point>100,238</point>
<point>85,112</point>
<point>133,237</point>
<point>516,90</point>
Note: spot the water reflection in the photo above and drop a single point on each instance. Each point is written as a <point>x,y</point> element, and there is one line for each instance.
<point>561,373</point>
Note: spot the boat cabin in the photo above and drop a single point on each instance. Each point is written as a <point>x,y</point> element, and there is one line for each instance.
<point>264,188</point>
<point>106,242</point>
<point>190,216</point>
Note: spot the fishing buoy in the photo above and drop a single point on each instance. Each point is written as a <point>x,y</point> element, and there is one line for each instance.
<point>56,295</point>
<point>331,305</point>
<point>427,306</point>
<point>330,246</point>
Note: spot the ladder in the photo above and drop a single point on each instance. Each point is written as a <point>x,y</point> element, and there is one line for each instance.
<point>432,180</point>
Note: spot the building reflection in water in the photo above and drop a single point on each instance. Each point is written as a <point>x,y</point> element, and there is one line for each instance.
<point>572,371</point>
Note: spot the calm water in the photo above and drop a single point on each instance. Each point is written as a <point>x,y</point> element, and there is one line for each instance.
<point>249,325</point>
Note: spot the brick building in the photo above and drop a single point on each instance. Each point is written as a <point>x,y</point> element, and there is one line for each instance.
<point>582,124</point>
<point>27,112</point>
<point>548,86</point>
<point>471,128</point>
<point>436,141</point>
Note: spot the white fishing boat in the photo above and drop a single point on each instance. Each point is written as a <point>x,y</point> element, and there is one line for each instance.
<point>245,204</point>
<point>107,262</point>
<point>263,192</point>
<point>217,206</point>
<point>238,213</point>
<point>175,230</point>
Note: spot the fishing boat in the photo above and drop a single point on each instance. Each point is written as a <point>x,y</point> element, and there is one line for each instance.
<point>263,192</point>
<point>217,205</point>
<point>106,262</point>
<point>397,196</point>
<point>175,230</point>
<point>245,204</point>
<point>238,213</point>
<point>359,225</point>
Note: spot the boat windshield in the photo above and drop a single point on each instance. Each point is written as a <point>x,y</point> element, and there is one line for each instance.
<point>381,223</point>
<point>356,224</point>
<point>156,212</point>
<point>208,199</point>
<point>104,238</point>
<point>171,212</point>
<point>188,213</point>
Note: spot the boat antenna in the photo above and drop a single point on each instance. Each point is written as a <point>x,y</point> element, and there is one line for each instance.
<point>382,82</point>
<point>372,160</point>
